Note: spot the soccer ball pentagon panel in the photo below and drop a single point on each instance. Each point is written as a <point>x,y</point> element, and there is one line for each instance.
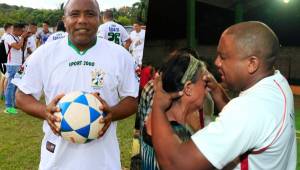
<point>79,114</point>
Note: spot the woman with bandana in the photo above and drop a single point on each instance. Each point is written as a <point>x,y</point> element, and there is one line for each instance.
<point>182,72</point>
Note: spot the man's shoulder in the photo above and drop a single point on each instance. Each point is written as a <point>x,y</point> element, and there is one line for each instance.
<point>9,38</point>
<point>112,48</point>
<point>104,25</point>
<point>133,33</point>
<point>104,43</point>
<point>3,36</point>
<point>47,51</point>
<point>116,24</point>
<point>54,45</point>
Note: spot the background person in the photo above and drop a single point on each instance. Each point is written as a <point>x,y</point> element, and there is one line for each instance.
<point>3,81</point>
<point>183,115</point>
<point>43,35</point>
<point>8,27</point>
<point>113,31</point>
<point>59,34</point>
<point>14,61</point>
<point>31,41</point>
<point>137,37</point>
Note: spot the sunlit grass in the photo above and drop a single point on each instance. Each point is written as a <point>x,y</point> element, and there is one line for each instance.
<point>21,135</point>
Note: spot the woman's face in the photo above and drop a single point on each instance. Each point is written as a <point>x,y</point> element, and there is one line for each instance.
<point>198,92</point>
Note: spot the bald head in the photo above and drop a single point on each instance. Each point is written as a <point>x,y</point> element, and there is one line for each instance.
<point>71,1</point>
<point>255,39</point>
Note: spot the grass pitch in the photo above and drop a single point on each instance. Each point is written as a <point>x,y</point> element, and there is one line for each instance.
<point>21,135</point>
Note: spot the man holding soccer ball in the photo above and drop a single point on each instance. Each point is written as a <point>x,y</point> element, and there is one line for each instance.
<point>79,62</point>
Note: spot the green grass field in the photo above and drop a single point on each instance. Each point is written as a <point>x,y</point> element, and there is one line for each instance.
<point>21,135</point>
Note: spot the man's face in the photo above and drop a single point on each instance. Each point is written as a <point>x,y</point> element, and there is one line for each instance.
<point>231,64</point>
<point>18,31</point>
<point>10,29</point>
<point>137,27</point>
<point>32,29</point>
<point>198,92</point>
<point>81,21</point>
<point>45,27</point>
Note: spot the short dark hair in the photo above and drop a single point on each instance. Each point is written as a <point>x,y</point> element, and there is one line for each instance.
<point>109,14</point>
<point>33,23</point>
<point>138,22</point>
<point>258,39</point>
<point>46,22</point>
<point>7,25</point>
<point>18,25</point>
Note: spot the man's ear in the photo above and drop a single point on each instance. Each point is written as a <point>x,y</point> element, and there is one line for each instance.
<point>187,89</point>
<point>253,64</point>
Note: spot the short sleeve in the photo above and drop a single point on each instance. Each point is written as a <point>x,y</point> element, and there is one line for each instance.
<point>30,80</point>
<point>30,42</point>
<point>124,34</point>
<point>101,32</point>
<point>9,40</point>
<point>128,85</point>
<point>233,133</point>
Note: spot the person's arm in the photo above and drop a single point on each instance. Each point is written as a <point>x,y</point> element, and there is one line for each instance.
<point>170,152</point>
<point>125,108</point>
<point>127,43</point>
<point>33,107</point>
<point>127,87</point>
<point>19,45</point>
<point>30,105</point>
<point>217,92</point>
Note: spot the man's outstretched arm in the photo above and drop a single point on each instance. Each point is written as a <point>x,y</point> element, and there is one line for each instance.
<point>171,153</point>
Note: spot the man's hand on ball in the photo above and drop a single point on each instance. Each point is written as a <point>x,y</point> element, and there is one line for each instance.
<point>107,118</point>
<point>51,108</point>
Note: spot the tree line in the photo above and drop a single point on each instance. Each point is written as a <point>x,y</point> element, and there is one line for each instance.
<point>19,14</point>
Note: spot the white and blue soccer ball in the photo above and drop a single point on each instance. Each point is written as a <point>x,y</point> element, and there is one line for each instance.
<point>79,114</point>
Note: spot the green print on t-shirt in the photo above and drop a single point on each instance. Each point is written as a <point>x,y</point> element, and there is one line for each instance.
<point>79,63</point>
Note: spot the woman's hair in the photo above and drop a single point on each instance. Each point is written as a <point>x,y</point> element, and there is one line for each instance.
<point>181,66</point>
<point>60,26</point>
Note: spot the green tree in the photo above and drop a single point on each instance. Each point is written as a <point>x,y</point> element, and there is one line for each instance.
<point>141,9</point>
<point>124,20</point>
<point>14,14</point>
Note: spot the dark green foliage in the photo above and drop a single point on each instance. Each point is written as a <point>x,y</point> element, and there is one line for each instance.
<point>15,14</point>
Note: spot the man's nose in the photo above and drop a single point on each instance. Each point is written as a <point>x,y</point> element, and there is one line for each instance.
<point>81,18</point>
<point>218,62</point>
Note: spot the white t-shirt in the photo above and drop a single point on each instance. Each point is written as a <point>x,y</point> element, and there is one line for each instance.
<point>137,45</point>
<point>113,32</point>
<point>42,36</point>
<point>56,68</point>
<point>14,57</point>
<point>3,38</point>
<point>56,36</point>
<point>261,117</point>
<point>31,42</point>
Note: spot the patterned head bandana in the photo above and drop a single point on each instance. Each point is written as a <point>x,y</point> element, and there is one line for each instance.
<point>192,69</point>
